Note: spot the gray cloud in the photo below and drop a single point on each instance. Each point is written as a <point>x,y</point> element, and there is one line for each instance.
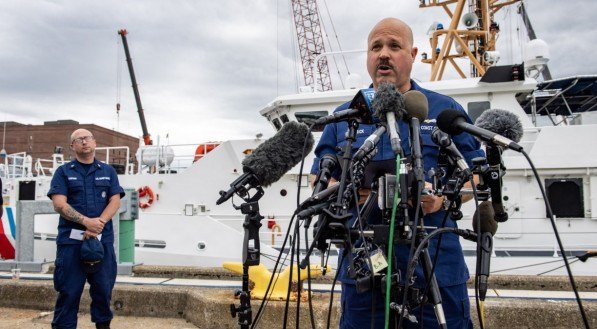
<point>205,68</point>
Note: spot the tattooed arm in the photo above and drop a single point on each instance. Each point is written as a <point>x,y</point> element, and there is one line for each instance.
<point>69,213</point>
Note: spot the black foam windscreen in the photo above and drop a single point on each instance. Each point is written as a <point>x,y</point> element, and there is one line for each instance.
<point>488,223</point>
<point>501,122</point>
<point>277,155</point>
<point>387,99</point>
<point>416,105</point>
<point>446,121</point>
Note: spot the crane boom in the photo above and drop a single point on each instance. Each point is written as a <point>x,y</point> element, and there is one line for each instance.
<point>310,42</point>
<point>146,137</point>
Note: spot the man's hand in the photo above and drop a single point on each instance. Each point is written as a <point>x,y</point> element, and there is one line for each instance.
<point>88,234</point>
<point>94,225</point>
<point>431,203</point>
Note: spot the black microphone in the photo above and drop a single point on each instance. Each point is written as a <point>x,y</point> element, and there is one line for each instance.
<point>487,230</point>
<point>272,159</point>
<point>389,104</point>
<point>454,122</point>
<point>339,116</point>
<point>443,140</point>
<point>369,143</point>
<point>327,164</point>
<point>357,109</point>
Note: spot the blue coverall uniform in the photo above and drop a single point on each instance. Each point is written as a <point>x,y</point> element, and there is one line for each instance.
<point>88,191</point>
<point>451,270</point>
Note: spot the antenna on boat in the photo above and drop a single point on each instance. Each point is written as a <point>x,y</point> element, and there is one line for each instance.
<point>475,42</point>
<point>3,151</point>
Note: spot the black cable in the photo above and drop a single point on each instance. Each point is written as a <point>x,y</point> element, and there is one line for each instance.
<point>560,245</point>
<point>298,275</point>
<point>269,285</point>
<point>435,259</point>
<point>309,300</point>
<point>411,251</point>
<point>480,314</point>
<point>286,304</point>
<point>367,254</point>
<point>332,291</point>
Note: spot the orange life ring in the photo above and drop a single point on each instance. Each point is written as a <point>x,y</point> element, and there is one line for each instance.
<point>145,191</point>
<point>203,149</point>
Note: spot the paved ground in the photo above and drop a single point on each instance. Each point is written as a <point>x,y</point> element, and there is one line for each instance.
<point>34,319</point>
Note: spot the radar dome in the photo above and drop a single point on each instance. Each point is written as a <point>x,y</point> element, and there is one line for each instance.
<point>536,52</point>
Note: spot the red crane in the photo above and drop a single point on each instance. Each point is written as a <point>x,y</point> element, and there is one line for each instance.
<point>146,137</point>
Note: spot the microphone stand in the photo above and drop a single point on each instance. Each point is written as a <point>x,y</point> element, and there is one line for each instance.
<point>334,220</point>
<point>250,256</point>
<point>433,293</point>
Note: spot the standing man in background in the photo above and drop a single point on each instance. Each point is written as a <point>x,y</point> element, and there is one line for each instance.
<point>86,194</point>
<point>390,56</point>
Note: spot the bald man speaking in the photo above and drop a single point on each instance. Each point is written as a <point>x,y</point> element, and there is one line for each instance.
<point>390,57</point>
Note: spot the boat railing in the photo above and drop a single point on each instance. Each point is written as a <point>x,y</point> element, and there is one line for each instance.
<point>16,165</point>
<point>172,158</point>
<point>43,170</point>
<point>116,156</point>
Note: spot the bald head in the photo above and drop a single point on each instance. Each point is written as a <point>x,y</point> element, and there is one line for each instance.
<point>390,53</point>
<point>80,133</point>
<point>83,144</point>
<point>393,23</point>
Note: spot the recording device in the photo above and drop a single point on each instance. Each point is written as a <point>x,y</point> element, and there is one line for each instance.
<point>369,143</point>
<point>327,165</point>
<point>443,140</point>
<point>388,104</point>
<point>271,160</point>
<point>454,122</point>
<point>359,109</point>
<point>488,227</point>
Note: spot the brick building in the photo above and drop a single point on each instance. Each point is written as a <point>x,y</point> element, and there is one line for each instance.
<point>41,141</point>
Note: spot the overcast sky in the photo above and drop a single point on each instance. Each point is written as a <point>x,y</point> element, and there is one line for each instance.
<point>205,68</point>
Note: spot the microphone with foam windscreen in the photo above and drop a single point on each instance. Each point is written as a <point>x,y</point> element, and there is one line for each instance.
<point>508,125</point>
<point>388,104</point>
<point>416,105</point>
<point>272,159</point>
<point>501,122</point>
<point>454,122</point>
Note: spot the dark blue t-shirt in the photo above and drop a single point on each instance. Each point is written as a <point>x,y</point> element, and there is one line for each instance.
<point>88,192</point>
<point>451,268</point>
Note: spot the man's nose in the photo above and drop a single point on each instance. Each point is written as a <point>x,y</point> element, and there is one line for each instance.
<point>384,53</point>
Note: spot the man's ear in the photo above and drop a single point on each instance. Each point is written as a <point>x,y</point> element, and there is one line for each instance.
<point>414,52</point>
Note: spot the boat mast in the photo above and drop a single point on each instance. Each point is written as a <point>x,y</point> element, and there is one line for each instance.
<point>476,41</point>
<point>146,137</point>
<point>532,36</point>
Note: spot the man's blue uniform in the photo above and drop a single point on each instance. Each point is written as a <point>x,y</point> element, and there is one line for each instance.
<point>88,191</point>
<point>451,270</point>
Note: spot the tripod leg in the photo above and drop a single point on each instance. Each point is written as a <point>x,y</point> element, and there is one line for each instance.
<point>433,293</point>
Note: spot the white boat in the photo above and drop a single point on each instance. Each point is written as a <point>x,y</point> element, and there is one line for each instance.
<point>183,225</point>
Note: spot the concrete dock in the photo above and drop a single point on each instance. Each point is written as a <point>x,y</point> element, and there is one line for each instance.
<point>186,297</point>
